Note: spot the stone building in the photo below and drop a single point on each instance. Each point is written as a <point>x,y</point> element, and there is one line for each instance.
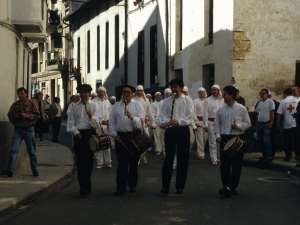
<point>21,23</point>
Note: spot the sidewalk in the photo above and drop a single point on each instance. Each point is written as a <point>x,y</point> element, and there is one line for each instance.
<point>55,163</point>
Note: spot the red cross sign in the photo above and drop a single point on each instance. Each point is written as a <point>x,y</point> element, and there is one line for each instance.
<point>290,108</point>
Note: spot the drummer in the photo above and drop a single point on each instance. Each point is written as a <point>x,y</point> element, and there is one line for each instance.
<point>82,120</point>
<point>231,120</point>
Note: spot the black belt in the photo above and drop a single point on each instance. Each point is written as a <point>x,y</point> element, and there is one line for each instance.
<point>232,135</point>
<point>264,122</point>
<point>25,128</point>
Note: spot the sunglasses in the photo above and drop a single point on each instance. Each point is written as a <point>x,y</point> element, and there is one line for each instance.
<point>262,93</point>
<point>126,92</point>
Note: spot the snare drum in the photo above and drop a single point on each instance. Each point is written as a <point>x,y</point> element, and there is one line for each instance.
<point>142,142</point>
<point>233,146</point>
<point>99,143</point>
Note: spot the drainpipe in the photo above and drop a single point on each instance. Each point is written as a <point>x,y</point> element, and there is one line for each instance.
<point>126,42</point>
<point>167,42</point>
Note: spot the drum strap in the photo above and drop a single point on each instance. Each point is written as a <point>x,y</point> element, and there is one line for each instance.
<point>143,130</point>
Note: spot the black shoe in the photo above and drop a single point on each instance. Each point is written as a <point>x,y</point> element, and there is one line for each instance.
<point>287,158</point>
<point>132,190</point>
<point>119,193</point>
<point>35,173</point>
<point>7,173</point>
<point>164,191</point>
<point>225,191</point>
<point>233,191</point>
<point>179,191</point>
<point>84,191</point>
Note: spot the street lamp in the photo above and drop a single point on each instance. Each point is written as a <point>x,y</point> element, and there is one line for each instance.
<point>60,31</point>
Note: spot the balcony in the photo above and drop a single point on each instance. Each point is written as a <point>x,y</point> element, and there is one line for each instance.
<point>53,21</point>
<point>29,16</point>
<point>35,38</point>
<point>57,67</point>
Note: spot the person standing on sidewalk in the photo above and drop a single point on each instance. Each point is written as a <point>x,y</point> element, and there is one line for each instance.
<point>23,114</point>
<point>211,105</point>
<point>231,121</point>
<point>287,108</point>
<point>103,157</point>
<point>55,117</point>
<point>201,135</point>
<point>158,133</point>
<point>39,125</point>
<point>274,129</point>
<point>82,122</point>
<point>264,122</point>
<point>176,115</point>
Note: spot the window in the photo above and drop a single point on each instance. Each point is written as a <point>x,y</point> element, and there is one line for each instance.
<point>98,47</point>
<point>106,45</point>
<point>88,52</point>
<point>34,65</point>
<point>117,41</point>
<point>208,22</point>
<point>78,52</point>
<point>98,84</point>
<point>208,77</point>
<point>141,58</point>
<point>153,54</point>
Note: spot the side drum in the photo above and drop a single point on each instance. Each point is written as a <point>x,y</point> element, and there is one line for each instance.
<point>233,146</point>
<point>99,143</point>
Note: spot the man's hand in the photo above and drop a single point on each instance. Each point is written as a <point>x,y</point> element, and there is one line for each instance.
<point>127,113</point>
<point>197,125</point>
<point>89,113</point>
<point>234,126</point>
<point>206,129</point>
<point>218,139</point>
<point>78,136</point>
<point>173,122</point>
<point>117,138</point>
<point>24,115</point>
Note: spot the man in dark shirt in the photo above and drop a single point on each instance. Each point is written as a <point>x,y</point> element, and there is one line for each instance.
<point>23,114</point>
<point>239,99</point>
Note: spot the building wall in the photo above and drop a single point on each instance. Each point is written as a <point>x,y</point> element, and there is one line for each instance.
<point>141,19</point>
<point>273,30</point>
<point>110,77</point>
<point>195,52</point>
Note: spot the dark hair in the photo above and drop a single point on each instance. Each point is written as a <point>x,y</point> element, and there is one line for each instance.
<point>73,96</point>
<point>130,87</point>
<point>21,89</point>
<point>55,99</point>
<point>84,88</point>
<point>37,95</point>
<point>288,91</point>
<point>265,90</point>
<point>231,90</point>
<point>179,82</point>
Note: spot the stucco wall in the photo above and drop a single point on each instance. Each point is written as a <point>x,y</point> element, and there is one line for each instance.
<point>273,30</point>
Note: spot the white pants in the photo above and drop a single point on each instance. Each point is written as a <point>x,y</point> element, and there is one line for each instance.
<point>159,139</point>
<point>192,137</point>
<point>147,132</point>
<point>103,156</point>
<point>201,138</point>
<point>214,148</point>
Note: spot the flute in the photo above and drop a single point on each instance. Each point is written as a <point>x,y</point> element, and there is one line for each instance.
<point>125,101</point>
<point>172,110</point>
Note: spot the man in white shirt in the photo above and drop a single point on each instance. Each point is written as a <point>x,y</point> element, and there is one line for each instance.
<point>103,157</point>
<point>176,115</point>
<point>125,124</point>
<point>264,122</point>
<point>112,100</point>
<point>231,120</point>
<point>82,122</point>
<point>158,132</point>
<point>287,108</point>
<point>211,105</point>
<point>201,135</point>
<point>148,120</point>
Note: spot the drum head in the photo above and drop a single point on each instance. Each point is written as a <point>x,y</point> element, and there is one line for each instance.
<point>230,143</point>
<point>93,143</point>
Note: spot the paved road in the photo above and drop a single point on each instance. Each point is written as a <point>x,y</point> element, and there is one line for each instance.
<point>258,202</point>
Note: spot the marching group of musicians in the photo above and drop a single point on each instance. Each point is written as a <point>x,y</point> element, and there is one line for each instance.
<point>176,121</point>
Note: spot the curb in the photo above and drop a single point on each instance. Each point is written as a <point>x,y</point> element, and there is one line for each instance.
<point>273,166</point>
<point>32,195</point>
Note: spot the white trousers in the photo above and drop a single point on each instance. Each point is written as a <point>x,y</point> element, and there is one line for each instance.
<point>104,156</point>
<point>214,148</point>
<point>147,132</point>
<point>201,138</point>
<point>159,139</point>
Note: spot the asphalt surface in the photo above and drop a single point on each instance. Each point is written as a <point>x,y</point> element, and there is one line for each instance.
<point>259,202</point>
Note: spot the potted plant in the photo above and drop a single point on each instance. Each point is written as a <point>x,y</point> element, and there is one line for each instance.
<point>56,10</point>
<point>58,60</point>
<point>53,1</point>
<point>65,61</point>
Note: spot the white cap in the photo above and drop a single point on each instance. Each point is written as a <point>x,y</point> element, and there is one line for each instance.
<point>167,90</point>
<point>185,89</point>
<point>157,93</point>
<point>94,93</point>
<point>201,89</point>
<point>139,87</point>
<point>77,94</point>
<point>269,93</point>
<point>113,97</point>
<point>101,88</point>
<point>148,95</point>
<point>216,86</point>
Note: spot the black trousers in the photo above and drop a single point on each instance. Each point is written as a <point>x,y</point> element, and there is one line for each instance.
<point>84,159</point>
<point>39,127</point>
<point>127,170</point>
<point>56,123</point>
<point>273,140</point>
<point>176,138</point>
<point>291,139</point>
<point>230,178</point>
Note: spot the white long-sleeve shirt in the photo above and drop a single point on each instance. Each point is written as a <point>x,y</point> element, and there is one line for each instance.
<point>119,122</point>
<point>147,108</point>
<point>104,107</point>
<point>226,116</point>
<point>211,105</point>
<point>183,111</point>
<point>155,110</point>
<point>199,109</point>
<point>79,120</point>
